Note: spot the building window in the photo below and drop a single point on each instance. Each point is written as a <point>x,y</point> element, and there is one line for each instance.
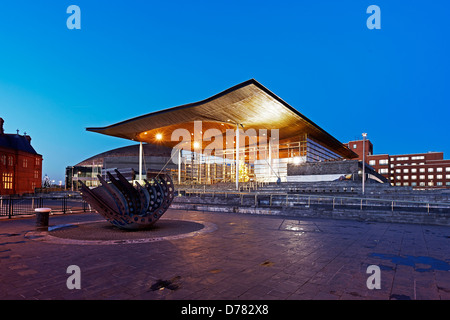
<point>25,163</point>
<point>447,183</point>
<point>447,176</point>
<point>10,160</point>
<point>438,169</point>
<point>413,184</point>
<point>372,162</point>
<point>354,146</point>
<point>405,177</point>
<point>36,174</point>
<point>413,177</point>
<point>422,177</point>
<point>430,184</point>
<point>439,183</point>
<point>430,176</point>
<point>413,170</point>
<point>402,158</point>
<point>430,169</point>
<point>398,177</point>
<point>422,169</point>
<point>405,183</point>
<point>3,160</point>
<point>439,176</point>
<point>447,169</point>
<point>384,161</point>
<point>37,161</point>
<point>422,184</point>
<point>398,170</point>
<point>398,183</point>
<point>7,179</point>
<point>418,158</point>
<point>405,170</point>
<point>383,171</point>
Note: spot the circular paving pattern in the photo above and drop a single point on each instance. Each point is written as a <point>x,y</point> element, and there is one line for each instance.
<point>104,233</point>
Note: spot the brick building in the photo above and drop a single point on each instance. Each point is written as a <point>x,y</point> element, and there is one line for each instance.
<point>20,164</point>
<point>419,170</point>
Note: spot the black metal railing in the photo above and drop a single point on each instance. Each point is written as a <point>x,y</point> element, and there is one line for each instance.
<point>11,206</point>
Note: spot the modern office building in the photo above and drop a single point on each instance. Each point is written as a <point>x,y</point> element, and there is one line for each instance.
<point>20,164</point>
<point>242,134</point>
<point>419,170</point>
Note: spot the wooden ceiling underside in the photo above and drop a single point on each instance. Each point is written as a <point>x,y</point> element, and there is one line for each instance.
<point>249,104</point>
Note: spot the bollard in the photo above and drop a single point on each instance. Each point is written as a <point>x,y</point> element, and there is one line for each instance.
<point>42,215</point>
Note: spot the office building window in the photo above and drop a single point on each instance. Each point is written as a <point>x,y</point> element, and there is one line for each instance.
<point>430,176</point>
<point>430,184</point>
<point>384,161</point>
<point>447,169</point>
<point>430,169</point>
<point>406,183</point>
<point>383,171</point>
<point>439,176</point>
<point>439,183</point>
<point>422,169</point>
<point>413,184</point>
<point>418,158</point>
<point>402,158</point>
<point>447,176</point>
<point>405,177</point>
<point>438,169</point>
<point>422,177</point>
<point>372,162</point>
<point>413,177</point>
<point>10,160</point>
<point>413,170</point>
<point>405,170</point>
<point>422,184</point>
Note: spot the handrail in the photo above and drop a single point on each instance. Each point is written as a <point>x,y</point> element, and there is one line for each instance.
<point>271,194</point>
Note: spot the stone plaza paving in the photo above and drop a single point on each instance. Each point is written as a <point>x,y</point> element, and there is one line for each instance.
<point>234,257</point>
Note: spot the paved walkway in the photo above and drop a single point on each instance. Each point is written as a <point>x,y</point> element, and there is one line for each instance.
<point>241,257</point>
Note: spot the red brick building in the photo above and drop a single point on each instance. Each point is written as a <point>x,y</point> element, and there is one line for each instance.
<point>20,164</point>
<point>418,170</point>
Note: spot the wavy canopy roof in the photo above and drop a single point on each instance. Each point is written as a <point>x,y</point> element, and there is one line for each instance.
<point>249,103</point>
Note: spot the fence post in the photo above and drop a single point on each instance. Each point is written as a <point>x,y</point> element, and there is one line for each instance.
<point>10,207</point>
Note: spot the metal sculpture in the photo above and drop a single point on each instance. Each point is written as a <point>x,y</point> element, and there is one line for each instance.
<point>131,207</point>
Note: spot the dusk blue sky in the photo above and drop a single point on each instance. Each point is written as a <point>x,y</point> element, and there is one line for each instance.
<point>134,57</point>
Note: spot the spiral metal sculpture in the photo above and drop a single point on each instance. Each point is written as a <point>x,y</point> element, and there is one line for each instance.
<point>129,207</point>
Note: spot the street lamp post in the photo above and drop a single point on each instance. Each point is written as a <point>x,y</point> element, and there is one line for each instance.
<point>364,163</point>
